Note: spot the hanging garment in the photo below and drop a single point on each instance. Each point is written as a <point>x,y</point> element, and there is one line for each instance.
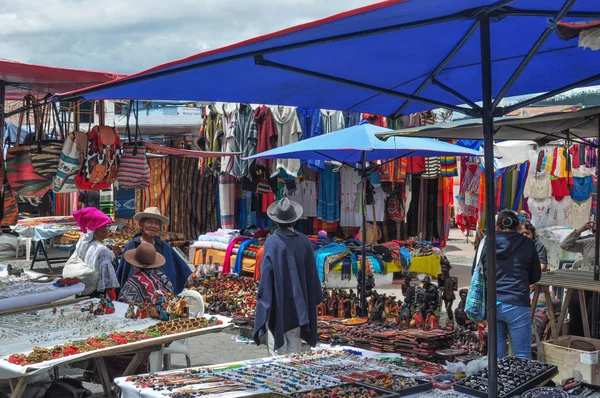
<point>267,133</point>
<point>310,122</point>
<point>243,139</point>
<point>560,211</point>
<point>288,131</point>
<point>158,193</point>
<point>374,119</point>
<point>539,209</point>
<point>448,166</point>
<point>226,128</point>
<point>582,188</point>
<point>580,213</point>
<point>328,207</point>
<point>575,156</point>
<point>350,180</point>
<point>351,118</point>
<point>538,186</point>
<point>227,191</point>
<point>379,202</point>
<point>208,137</point>
<point>432,167</point>
<point>309,193</point>
<point>332,120</point>
<point>561,187</point>
<point>415,165</point>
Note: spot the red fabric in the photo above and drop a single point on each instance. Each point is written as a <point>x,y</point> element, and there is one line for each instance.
<point>267,132</point>
<point>259,257</point>
<point>575,159</point>
<point>375,119</point>
<point>416,164</point>
<point>111,293</point>
<point>229,252</point>
<point>560,187</point>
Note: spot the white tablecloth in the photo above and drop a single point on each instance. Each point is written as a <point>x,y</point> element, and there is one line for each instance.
<point>54,294</point>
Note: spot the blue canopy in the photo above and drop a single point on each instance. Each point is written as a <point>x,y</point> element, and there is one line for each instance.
<point>347,146</point>
<point>372,59</point>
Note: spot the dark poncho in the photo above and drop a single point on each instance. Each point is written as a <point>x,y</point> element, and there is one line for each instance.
<point>289,289</point>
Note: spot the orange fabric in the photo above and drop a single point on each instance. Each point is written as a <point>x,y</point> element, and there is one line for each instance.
<point>259,257</point>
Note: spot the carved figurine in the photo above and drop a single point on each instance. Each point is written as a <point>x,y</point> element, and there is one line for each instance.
<point>404,316</point>
<point>417,320</point>
<point>432,297</point>
<point>447,285</point>
<point>460,315</point>
<point>341,310</point>
<point>431,321</point>
<point>353,312</point>
<point>130,313</point>
<point>141,312</point>
<point>408,291</point>
<point>54,309</point>
<point>181,306</point>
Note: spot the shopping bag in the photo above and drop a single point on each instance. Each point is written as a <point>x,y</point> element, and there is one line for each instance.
<point>99,168</point>
<point>68,166</point>
<point>134,171</point>
<point>476,307</point>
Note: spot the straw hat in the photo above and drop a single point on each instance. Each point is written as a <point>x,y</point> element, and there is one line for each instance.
<point>151,212</point>
<point>285,211</point>
<point>145,256</point>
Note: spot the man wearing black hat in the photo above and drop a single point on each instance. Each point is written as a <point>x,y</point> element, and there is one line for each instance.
<point>289,289</point>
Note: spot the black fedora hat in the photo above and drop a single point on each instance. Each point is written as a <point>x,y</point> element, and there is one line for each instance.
<point>285,211</point>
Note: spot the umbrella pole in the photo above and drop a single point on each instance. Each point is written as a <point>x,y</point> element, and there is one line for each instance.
<point>490,205</point>
<point>363,259</point>
<point>596,301</point>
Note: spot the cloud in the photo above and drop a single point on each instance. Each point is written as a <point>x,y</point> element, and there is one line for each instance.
<point>129,36</point>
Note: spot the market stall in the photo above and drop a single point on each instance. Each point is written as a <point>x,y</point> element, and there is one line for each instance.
<point>86,330</point>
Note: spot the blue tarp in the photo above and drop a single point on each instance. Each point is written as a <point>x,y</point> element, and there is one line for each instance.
<point>389,58</point>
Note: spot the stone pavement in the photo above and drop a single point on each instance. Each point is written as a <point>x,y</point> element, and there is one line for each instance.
<point>221,348</point>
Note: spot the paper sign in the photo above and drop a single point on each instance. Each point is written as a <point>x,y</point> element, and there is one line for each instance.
<point>589,358</point>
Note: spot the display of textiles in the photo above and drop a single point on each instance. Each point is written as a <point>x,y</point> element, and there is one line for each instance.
<point>158,193</point>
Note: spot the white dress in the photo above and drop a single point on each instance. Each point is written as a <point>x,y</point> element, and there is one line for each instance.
<point>539,209</point>
<point>560,211</point>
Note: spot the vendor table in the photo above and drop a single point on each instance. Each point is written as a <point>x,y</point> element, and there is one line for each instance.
<point>576,282</point>
<point>41,230</point>
<point>19,374</point>
<point>46,293</point>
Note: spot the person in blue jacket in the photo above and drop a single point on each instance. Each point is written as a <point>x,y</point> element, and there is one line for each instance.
<point>517,267</point>
<point>175,268</point>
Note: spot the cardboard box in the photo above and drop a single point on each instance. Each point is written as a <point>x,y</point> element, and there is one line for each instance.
<point>582,365</point>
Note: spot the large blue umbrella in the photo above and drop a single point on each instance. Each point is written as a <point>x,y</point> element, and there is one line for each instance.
<point>356,146</point>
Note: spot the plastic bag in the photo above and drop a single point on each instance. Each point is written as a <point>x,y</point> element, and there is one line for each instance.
<point>477,365</point>
<point>456,367</point>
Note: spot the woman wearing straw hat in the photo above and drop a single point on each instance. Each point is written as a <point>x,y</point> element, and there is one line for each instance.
<point>289,289</point>
<point>97,271</point>
<point>175,268</point>
<point>148,280</point>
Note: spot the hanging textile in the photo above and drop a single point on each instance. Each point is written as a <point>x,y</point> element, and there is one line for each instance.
<point>208,139</point>
<point>266,133</point>
<point>158,193</point>
<point>124,203</point>
<point>227,192</point>
<point>310,122</point>
<point>288,131</point>
<point>228,122</point>
<point>328,206</point>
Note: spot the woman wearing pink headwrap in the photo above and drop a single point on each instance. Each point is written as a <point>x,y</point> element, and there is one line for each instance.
<point>93,262</point>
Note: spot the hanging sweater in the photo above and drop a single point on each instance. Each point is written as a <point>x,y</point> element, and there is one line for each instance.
<point>288,131</point>
<point>267,132</point>
<point>243,139</point>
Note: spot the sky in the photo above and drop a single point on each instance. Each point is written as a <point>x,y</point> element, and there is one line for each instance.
<point>127,36</point>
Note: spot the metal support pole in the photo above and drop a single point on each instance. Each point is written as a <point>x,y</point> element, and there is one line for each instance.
<point>363,258</point>
<point>490,205</point>
<point>596,299</point>
<point>2,104</point>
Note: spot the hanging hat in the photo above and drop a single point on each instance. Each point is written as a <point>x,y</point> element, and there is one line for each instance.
<point>145,256</point>
<point>285,211</point>
<point>90,218</point>
<point>151,212</point>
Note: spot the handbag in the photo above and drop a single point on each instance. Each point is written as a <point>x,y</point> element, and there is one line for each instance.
<point>68,166</point>
<point>45,154</point>
<point>99,167</point>
<point>9,212</point>
<point>134,171</point>
<point>373,230</point>
<point>476,307</point>
<point>21,175</point>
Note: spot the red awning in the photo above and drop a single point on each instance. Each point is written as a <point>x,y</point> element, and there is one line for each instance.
<point>39,80</point>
